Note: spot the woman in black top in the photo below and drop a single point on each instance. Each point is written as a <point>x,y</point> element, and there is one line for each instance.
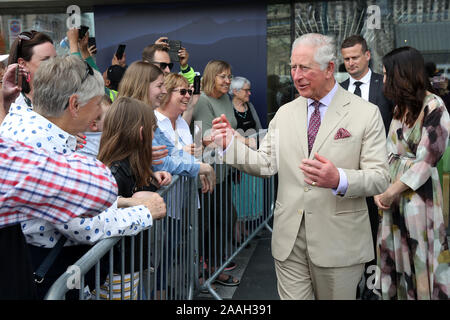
<point>247,191</point>
<point>126,147</point>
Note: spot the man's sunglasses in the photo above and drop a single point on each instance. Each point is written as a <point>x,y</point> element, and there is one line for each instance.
<point>89,71</point>
<point>184,91</point>
<point>163,65</point>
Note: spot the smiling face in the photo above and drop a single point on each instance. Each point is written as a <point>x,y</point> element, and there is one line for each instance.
<point>309,80</point>
<point>178,102</point>
<point>156,91</point>
<point>222,83</point>
<point>356,61</point>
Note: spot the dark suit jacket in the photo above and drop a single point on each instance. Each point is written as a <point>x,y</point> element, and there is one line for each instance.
<point>377,97</point>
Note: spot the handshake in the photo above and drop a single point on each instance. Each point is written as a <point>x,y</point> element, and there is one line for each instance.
<point>222,133</point>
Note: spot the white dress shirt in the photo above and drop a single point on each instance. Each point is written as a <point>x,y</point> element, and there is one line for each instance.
<point>25,125</point>
<point>180,136</point>
<point>364,87</point>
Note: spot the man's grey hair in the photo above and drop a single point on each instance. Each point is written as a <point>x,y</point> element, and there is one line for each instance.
<point>326,47</point>
<point>56,79</point>
<point>238,83</point>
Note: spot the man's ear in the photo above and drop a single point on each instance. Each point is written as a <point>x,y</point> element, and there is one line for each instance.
<point>21,61</point>
<point>107,83</point>
<point>73,105</point>
<point>367,54</point>
<point>330,69</point>
<point>93,126</point>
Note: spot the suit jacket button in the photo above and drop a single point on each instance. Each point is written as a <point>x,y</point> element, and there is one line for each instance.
<point>306,189</point>
<point>300,211</point>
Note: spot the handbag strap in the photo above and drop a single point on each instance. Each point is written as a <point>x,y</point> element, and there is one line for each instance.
<point>40,273</point>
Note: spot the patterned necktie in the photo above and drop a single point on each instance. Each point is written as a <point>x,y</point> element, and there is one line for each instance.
<point>314,124</point>
<point>358,89</point>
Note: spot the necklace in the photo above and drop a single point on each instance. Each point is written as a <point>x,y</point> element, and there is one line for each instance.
<point>243,115</point>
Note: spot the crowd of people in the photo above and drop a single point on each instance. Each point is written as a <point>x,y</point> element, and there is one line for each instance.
<point>356,161</point>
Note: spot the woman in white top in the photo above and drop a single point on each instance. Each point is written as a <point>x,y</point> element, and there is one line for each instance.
<point>169,113</point>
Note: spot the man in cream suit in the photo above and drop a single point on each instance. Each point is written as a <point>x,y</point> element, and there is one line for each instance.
<point>329,149</point>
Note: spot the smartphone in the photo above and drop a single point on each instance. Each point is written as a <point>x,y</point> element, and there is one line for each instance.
<point>120,51</point>
<point>91,42</point>
<point>174,47</point>
<point>197,85</point>
<point>18,77</point>
<point>82,31</point>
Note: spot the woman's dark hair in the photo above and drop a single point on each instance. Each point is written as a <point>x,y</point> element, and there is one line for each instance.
<point>406,83</point>
<point>22,48</point>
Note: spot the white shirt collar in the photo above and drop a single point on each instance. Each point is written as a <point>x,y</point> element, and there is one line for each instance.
<point>180,136</point>
<point>325,101</point>
<point>365,79</point>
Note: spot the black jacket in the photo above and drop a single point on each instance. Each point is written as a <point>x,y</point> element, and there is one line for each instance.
<point>377,97</point>
<point>126,183</point>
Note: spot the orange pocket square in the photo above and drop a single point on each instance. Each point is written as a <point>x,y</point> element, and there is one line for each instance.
<point>342,134</point>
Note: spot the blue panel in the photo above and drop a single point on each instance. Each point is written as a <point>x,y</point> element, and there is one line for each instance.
<point>233,32</point>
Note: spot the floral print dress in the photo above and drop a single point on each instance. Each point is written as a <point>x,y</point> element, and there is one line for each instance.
<point>412,247</point>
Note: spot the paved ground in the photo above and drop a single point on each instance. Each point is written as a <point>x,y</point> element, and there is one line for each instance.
<point>256,271</point>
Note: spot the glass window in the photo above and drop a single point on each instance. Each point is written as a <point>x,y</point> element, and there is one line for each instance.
<point>54,25</point>
<point>279,82</point>
<point>422,24</point>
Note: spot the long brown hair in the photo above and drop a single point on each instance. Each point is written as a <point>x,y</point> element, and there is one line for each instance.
<point>406,83</point>
<point>121,137</point>
<point>136,81</point>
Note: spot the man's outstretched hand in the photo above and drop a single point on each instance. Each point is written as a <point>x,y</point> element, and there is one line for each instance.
<point>222,133</point>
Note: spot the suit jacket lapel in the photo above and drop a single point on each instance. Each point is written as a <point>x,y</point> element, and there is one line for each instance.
<point>374,88</point>
<point>345,84</point>
<point>335,113</point>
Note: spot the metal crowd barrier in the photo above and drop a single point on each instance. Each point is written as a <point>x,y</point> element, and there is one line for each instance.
<point>229,219</point>
<point>185,252</point>
<point>159,259</point>
<point>240,206</point>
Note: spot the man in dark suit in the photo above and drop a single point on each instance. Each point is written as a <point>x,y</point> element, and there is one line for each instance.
<point>369,86</point>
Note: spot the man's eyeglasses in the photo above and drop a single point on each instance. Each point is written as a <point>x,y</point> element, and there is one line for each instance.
<point>163,65</point>
<point>89,71</point>
<point>224,76</point>
<point>184,91</point>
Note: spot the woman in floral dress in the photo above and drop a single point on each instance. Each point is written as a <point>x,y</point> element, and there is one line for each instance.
<point>412,247</point>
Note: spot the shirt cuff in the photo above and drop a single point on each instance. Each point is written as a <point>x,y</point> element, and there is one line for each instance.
<point>343,184</point>
<point>222,152</point>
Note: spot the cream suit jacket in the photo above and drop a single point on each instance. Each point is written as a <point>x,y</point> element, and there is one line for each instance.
<point>337,227</point>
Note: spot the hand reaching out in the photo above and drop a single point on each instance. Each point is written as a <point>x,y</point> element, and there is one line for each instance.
<point>159,152</point>
<point>163,178</point>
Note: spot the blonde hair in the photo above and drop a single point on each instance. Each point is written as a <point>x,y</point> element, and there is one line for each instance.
<point>212,69</point>
<point>136,81</point>
<point>121,137</point>
<point>172,81</point>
